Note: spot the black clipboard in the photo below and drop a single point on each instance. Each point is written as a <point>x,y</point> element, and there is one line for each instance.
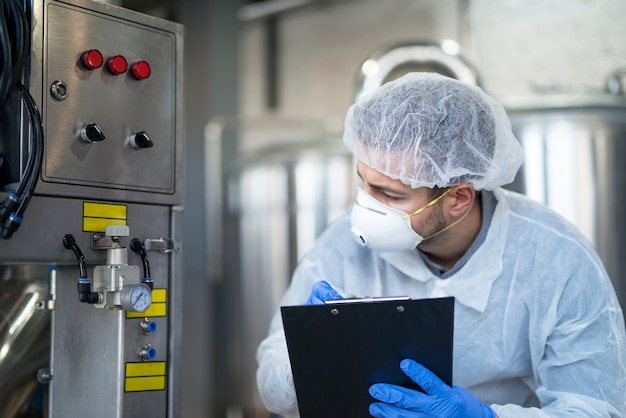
<point>337,351</point>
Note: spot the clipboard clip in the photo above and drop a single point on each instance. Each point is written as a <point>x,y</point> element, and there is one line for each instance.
<point>367,300</point>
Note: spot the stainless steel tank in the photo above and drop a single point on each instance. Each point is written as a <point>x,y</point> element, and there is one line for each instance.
<point>575,148</point>
<point>392,62</point>
<point>289,179</point>
<point>24,333</point>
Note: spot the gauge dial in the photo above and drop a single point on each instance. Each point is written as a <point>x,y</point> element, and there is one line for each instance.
<point>136,297</point>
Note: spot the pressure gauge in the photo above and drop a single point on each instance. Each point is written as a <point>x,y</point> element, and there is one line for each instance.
<point>136,297</point>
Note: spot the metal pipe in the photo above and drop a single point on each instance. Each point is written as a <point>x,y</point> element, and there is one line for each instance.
<point>269,8</point>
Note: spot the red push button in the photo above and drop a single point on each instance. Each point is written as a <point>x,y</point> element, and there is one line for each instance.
<point>141,70</point>
<point>117,65</point>
<point>92,59</point>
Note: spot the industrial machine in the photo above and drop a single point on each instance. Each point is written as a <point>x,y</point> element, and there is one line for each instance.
<point>91,152</point>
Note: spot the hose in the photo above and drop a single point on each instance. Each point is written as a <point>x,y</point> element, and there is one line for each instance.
<point>138,247</point>
<point>69,242</point>
<point>15,40</point>
<point>84,283</point>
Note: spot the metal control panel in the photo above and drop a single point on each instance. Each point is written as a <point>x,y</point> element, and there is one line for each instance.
<point>110,90</point>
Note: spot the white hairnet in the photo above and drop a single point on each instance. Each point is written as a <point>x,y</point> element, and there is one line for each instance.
<point>429,130</point>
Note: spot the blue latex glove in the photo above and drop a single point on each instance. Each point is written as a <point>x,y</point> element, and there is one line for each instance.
<point>322,291</point>
<point>440,400</point>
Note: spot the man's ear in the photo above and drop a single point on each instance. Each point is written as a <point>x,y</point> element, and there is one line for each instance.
<point>461,198</point>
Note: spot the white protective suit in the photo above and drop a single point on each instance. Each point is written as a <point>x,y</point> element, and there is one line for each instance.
<point>538,329</point>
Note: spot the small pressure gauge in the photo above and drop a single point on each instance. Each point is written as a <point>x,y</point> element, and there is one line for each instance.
<point>136,297</point>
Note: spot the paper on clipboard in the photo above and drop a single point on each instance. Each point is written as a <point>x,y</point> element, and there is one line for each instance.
<point>337,351</point>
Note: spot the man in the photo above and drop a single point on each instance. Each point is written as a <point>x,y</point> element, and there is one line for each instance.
<point>538,330</point>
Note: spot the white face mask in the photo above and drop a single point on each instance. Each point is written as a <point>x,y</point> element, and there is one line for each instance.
<point>383,228</point>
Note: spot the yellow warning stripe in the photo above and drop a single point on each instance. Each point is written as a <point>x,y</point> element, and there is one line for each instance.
<point>151,368</point>
<point>141,384</point>
<point>99,224</point>
<point>104,210</point>
<point>145,376</point>
<point>97,216</point>
<point>159,295</point>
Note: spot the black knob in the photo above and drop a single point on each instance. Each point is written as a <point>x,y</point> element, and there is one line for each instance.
<point>140,140</point>
<point>91,133</point>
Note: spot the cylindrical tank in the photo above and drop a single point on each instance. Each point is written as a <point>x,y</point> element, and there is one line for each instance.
<point>285,200</point>
<point>287,180</point>
<point>24,333</point>
<point>575,147</point>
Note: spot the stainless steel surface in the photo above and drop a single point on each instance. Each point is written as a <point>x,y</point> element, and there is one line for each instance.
<point>268,9</point>
<point>85,335</point>
<point>98,343</point>
<point>575,162</point>
<point>388,64</point>
<point>120,104</point>
<point>24,333</point>
<point>87,359</point>
<point>126,332</point>
<point>93,356</point>
<point>283,203</point>
<point>279,198</point>
<point>159,244</point>
<point>174,318</point>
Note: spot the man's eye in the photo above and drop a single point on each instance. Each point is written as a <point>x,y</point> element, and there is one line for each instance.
<point>391,198</point>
